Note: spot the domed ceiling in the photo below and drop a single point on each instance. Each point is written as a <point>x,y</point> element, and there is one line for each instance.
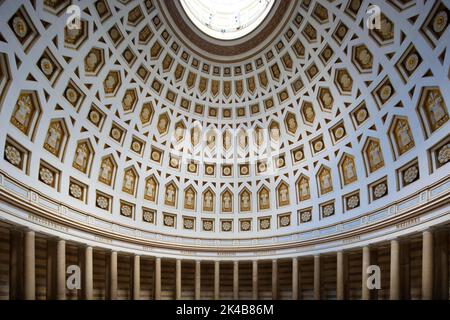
<point>131,120</point>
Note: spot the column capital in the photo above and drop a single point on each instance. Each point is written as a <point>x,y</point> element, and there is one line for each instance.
<point>28,230</point>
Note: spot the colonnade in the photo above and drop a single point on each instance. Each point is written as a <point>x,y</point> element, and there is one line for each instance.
<point>395,290</point>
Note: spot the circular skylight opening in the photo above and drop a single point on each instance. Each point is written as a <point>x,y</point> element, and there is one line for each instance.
<point>227,19</point>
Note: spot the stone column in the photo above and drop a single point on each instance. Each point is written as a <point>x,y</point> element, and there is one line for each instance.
<point>365,292</point>
<point>255,280</point>
<point>427,265</point>
<point>29,266</point>
<point>294,279</point>
<point>61,269</point>
<point>178,279</point>
<point>137,278</point>
<point>216,280</point>
<point>236,280</point>
<point>317,277</point>
<point>394,286</point>
<point>113,276</point>
<point>198,279</point>
<point>340,276</point>
<point>158,279</point>
<point>274,280</point>
<point>443,265</point>
<point>88,274</point>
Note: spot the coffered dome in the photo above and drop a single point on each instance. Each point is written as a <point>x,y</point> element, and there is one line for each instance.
<point>308,124</point>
